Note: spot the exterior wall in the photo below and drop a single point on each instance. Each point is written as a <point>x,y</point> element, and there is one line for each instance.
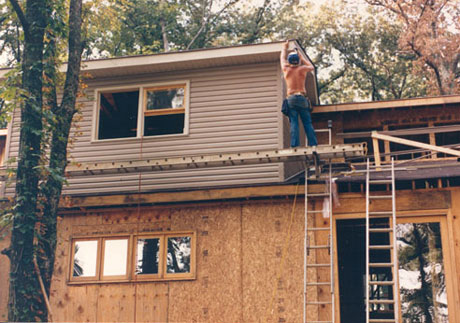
<point>240,246</point>
<point>231,110</point>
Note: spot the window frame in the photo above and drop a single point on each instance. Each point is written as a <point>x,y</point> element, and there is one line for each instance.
<point>102,258</point>
<point>147,277</point>
<point>141,114</point>
<point>151,113</point>
<point>130,275</point>
<point>180,276</point>
<point>72,260</point>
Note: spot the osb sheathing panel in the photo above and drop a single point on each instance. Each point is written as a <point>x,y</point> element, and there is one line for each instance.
<point>216,294</point>
<point>265,227</point>
<point>239,249</point>
<point>238,259</point>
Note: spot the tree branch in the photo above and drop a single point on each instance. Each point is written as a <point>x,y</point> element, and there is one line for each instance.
<point>20,13</point>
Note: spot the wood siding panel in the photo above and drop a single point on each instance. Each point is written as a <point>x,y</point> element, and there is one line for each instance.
<point>231,110</point>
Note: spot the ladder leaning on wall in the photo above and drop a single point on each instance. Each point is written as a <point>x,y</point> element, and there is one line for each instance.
<point>318,256</point>
<point>381,249</point>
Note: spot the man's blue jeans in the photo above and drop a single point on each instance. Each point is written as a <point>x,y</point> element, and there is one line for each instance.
<point>298,106</point>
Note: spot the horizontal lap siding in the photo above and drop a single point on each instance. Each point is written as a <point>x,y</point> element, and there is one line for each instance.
<point>231,110</point>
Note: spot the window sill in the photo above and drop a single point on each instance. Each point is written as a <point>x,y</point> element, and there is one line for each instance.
<point>133,139</point>
<point>124,281</point>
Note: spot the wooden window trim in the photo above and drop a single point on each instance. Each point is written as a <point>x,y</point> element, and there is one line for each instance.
<point>177,276</point>
<point>446,256</point>
<point>102,258</point>
<point>151,113</point>
<point>130,276</point>
<point>159,88</point>
<point>72,260</point>
<point>147,277</point>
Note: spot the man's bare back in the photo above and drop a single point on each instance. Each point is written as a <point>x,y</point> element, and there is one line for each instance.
<point>294,75</point>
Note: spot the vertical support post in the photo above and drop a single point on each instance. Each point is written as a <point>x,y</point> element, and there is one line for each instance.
<point>387,146</point>
<point>375,143</point>
<point>432,135</point>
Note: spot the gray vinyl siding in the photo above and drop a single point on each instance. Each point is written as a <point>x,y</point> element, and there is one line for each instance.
<point>231,110</point>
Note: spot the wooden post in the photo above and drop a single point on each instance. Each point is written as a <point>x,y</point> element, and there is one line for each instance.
<point>375,143</point>
<point>432,140</point>
<point>387,146</point>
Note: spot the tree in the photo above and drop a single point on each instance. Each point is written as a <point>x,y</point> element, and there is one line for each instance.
<point>45,126</point>
<point>432,34</point>
<point>152,26</point>
<point>357,55</point>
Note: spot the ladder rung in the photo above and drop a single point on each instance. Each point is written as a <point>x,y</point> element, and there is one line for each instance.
<point>380,247</point>
<point>318,303</point>
<point>318,229</point>
<point>319,284</point>
<point>382,320</point>
<point>381,283</point>
<point>380,181</point>
<point>380,230</point>
<point>381,301</point>
<point>318,265</point>
<point>380,197</point>
<point>317,194</point>
<point>380,264</point>
<point>314,211</point>
<point>319,247</point>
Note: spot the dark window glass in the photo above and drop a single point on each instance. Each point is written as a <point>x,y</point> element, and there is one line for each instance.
<point>148,251</point>
<point>178,258</point>
<point>118,114</point>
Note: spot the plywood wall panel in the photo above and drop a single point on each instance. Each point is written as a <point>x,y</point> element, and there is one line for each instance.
<point>152,302</point>
<point>215,295</point>
<point>265,232</point>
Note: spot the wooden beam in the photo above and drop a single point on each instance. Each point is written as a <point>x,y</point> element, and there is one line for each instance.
<point>402,132</point>
<point>68,202</point>
<point>376,135</point>
<point>358,106</point>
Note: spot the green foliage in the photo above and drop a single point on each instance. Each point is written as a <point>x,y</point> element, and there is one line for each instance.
<point>11,95</point>
<point>11,35</point>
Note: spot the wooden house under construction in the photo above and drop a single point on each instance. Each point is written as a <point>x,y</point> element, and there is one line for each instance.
<point>185,203</point>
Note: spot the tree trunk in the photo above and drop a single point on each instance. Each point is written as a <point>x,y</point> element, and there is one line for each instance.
<point>34,228</point>
<point>25,303</point>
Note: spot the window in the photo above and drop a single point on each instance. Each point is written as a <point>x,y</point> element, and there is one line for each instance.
<point>142,111</point>
<point>426,286</point>
<point>139,257</point>
<point>3,134</point>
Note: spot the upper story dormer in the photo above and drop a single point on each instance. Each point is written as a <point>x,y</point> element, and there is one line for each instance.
<point>175,104</point>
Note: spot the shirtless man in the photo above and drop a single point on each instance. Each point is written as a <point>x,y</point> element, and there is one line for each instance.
<point>295,69</point>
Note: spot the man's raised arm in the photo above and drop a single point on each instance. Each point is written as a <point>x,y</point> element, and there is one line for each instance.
<point>304,61</point>
<point>283,56</point>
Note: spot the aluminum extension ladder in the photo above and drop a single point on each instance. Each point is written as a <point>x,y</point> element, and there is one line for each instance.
<point>318,258</point>
<point>381,249</point>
